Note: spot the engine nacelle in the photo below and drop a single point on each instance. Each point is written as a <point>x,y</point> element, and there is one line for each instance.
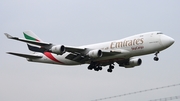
<point>95,53</point>
<point>58,49</point>
<point>133,62</point>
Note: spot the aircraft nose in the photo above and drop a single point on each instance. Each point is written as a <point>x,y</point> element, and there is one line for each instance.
<point>166,41</point>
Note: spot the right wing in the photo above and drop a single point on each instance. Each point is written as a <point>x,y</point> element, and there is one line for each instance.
<point>44,44</point>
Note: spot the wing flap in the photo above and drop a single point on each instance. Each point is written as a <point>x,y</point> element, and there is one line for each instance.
<point>31,56</point>
<point>77,57</point>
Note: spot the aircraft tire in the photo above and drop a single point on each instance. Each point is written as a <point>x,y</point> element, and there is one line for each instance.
<point>96,69</point>
<point>100,68</point>
<point>109,70</point>
<point>90,67</point>
<point>156,58</point>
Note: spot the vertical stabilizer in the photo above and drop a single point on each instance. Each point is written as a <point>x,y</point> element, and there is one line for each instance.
<point>29,35</point>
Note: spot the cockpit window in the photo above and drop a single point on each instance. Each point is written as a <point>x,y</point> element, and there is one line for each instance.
<point>159,33</point>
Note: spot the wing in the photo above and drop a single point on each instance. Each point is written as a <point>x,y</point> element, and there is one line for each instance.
<point>28,41</point>
<point>25,55</point>
<point>44,44</point>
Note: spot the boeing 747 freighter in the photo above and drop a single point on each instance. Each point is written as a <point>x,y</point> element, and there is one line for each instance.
<point>124,52</point>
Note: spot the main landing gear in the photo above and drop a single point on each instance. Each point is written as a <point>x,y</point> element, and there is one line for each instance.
<point>156,56</point>
<point>111,67</point>
<point>94,66</point>
<point>97,67</point>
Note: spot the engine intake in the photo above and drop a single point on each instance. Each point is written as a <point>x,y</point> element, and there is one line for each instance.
<point>95,53</point>
<point>58,49</point>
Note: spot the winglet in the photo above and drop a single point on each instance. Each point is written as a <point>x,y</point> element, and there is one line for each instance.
<point>8,36</point>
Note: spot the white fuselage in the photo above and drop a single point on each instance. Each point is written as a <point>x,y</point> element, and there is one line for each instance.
<point>141,44</point>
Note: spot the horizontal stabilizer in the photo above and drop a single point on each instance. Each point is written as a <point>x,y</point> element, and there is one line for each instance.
<point>31,56</point>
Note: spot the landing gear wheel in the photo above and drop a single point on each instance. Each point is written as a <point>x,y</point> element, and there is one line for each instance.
<point>156,58</point>
<point>100,68</point>
<point>96,69</point>
<point>109,70</point>
<point>90,67</point>
<point>111,67</point>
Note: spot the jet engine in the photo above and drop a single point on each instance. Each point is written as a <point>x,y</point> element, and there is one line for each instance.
<point>133,62</point>
<point>95,53</point>
<point>58,49</point>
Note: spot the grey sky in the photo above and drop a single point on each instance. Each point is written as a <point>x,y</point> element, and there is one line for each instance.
<point>80,22</point>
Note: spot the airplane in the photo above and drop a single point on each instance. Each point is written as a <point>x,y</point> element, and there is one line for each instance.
<point>123,52</point>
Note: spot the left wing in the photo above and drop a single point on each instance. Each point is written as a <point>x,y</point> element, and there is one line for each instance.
<point>31,56</point>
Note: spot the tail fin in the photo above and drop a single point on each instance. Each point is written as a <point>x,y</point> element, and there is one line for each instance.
<point>29,35</point>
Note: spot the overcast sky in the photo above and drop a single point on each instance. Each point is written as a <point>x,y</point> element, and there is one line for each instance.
<point>81,22</point>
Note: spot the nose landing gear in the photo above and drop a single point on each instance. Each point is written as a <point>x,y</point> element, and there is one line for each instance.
<point>156,56</point>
